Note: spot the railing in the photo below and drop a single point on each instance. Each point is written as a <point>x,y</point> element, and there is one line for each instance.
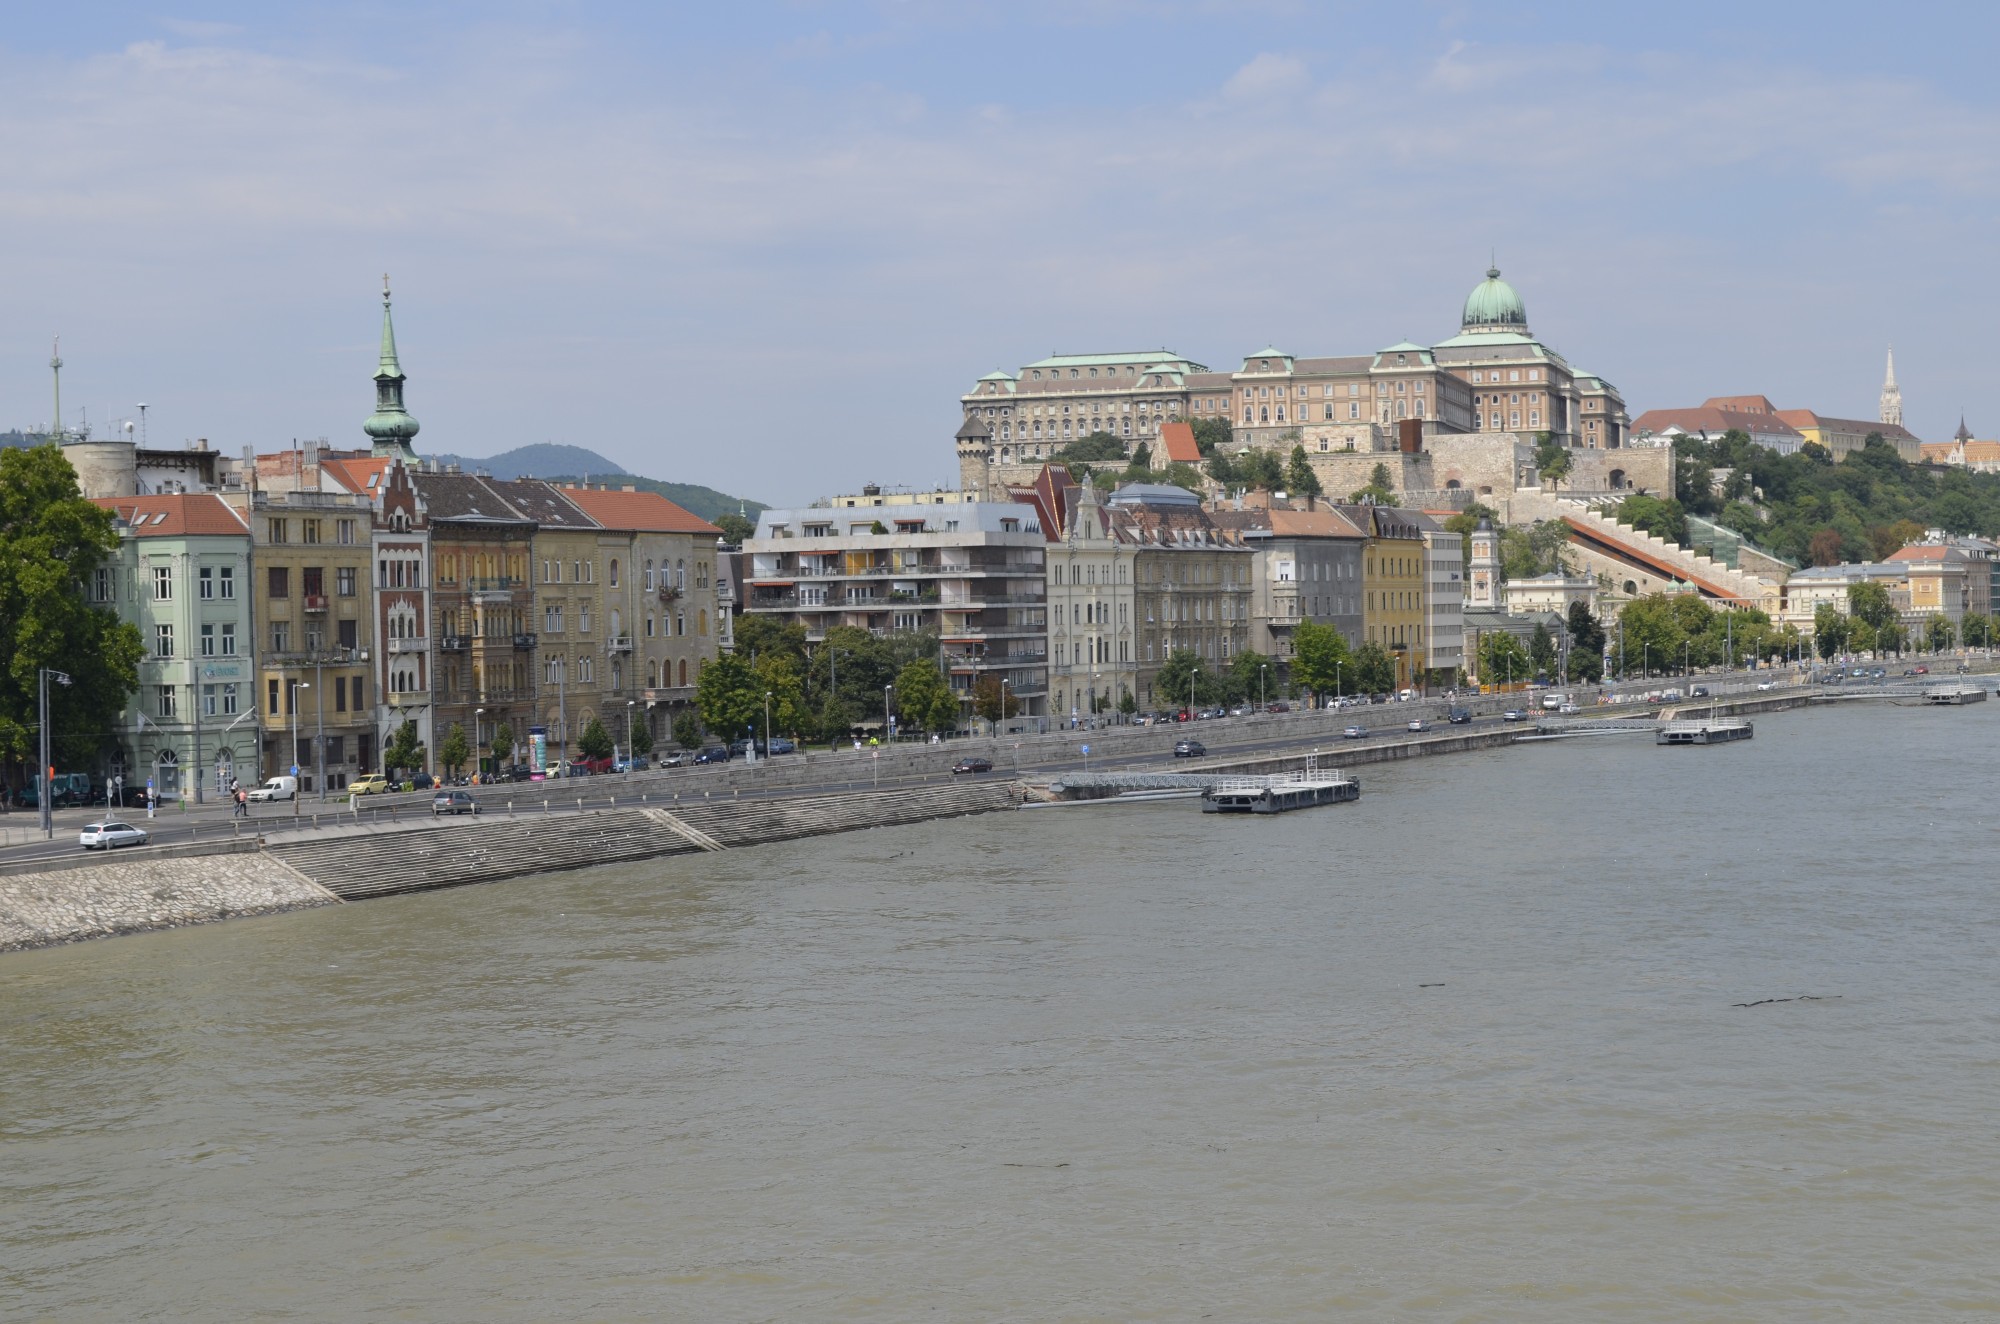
<point>525,642</point>
<point>316,602</point>
<point>454,643</point>
<point>620,644</point>
<point>409,645</point>
<point>668,594</point>
<point>500,583</point>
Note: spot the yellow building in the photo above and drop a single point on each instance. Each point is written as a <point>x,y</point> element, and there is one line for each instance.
<point>1392,587</point>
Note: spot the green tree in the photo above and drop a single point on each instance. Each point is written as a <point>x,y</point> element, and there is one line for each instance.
<point>836,720</point>
<point>1502,660</point>
<point>1126,703</point>
<point>1586,632</point>
<point>405,752</point>
<point>1182,474</point>
<point>51,543</point>
<point>1184,679</point>
<point>502,743</point>
<point>923,700</point>
<point>1542,650</point>
<point>1094,447</point>
<point>1663,519</point>
<point>1869,601</point>
<point>1977,630</point>
<point>1830,629</point>
<point>1320,661</point>
<point>1892,638</point>
<point>1531,551</point>
<point>987,697</point>
<point>736,530</point>
<point>1211,435</point>
<point>1300,480</point>
<point>759,635</point>
<point>1552,458</point>
<point>728,695</point>
<point>639,734</point>
<point>1381,489</point>
<point>1938,635</point>
<point>1259,469</point>
<point>1655,630</point>
<point>595,742</point>
<point>1374,669</point>
<point>687,731</point>
<point>454,752</point>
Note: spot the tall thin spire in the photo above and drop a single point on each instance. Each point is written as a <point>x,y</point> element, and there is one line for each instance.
<point>55,369</point>
<point>1892,395</point>
<point>390,427</point>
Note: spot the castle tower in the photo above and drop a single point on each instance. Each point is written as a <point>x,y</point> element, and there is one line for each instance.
<point>1892,395</point>
<point>390,427</point>
<point>975,457</point>
<point>1482,591</point>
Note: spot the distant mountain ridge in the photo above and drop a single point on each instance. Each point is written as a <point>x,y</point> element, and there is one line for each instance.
<point>552,461</point>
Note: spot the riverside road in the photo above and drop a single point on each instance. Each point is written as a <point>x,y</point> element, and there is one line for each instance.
<point>1041,755</point>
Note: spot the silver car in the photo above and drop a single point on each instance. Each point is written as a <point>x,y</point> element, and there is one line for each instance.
<point>110,835</point>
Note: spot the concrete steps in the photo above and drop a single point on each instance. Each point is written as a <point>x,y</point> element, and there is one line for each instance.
<point>1716,577</point>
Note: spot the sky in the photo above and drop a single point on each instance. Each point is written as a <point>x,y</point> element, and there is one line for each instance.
<point>766,246</point>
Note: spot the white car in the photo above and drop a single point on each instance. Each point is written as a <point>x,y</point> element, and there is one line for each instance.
<point>1767,684</point>
<point>111,835</point>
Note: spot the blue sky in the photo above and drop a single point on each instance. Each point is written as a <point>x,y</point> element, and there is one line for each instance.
<point>766,246</point>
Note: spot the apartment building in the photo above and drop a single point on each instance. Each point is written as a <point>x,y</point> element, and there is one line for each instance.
<point>181,575</point>
<point>1392,586</point>
<point>1192,582</point>
<point>973,571</point>
<point>1443,636</point>
<point>399,541</point>
<point>1306,566</point>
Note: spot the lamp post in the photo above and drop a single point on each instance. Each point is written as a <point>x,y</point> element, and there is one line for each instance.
<point>1261,669</point>
<point>631,747</point>
<point>46,799</point>
<point>296,687</point>
<point>767,722</point>
<point>1338,664</point>
<point>886,732</point>
<point>1003,705</point>
<point>319,728</point>
<point>476,712</point>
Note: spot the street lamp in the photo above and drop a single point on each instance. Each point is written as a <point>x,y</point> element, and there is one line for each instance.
<point>767,722</point>
<point>631,750</point>
<point>47,796</point>
<point>296,687</point>
<point>885,710</point>
<point>1261,669</point>
<point>476,713</point>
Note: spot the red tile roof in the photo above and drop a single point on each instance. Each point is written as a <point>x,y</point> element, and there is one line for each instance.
<point>1711,420</point>
<point>1178,441</point>
<point>178,515</point>
<point>638,512</point>
<point>354,474</point>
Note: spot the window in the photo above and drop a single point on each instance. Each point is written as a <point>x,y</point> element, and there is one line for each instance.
<point>207,589</point>
<point>274,531</point>
<point>164,700</point>
<point>552,620</point>
<point>208,700</point>
<point>344,532</point>
<point>163,583</point>
<point>280,581</point>
<point>348,633</point>
<point>271,703</point>
<point>208,641</point>
<point>649,574</point>
<point>229,700</point>
<point>310,529</point>
<point>649,625</point>
<point>281,636</point>
<point>343,580</point>
<point>583,618</point>
<point>614,572</point>
<point>163,641</point>
<point>229,638</point>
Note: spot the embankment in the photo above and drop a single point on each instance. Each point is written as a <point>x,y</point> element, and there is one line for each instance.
<point>102,896</point>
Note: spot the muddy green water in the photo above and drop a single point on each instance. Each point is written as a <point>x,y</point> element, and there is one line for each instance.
<point>1466,1050</point>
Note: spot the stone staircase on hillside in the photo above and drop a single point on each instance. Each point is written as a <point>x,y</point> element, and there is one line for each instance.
<point>1662,558</point>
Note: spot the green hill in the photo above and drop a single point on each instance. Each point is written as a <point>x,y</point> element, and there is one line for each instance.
<point>576,463</point>
<point>703,501</point>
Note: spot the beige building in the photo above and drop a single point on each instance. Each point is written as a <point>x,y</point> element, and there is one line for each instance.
<point>1306,566</point>
<point>1555,591</point>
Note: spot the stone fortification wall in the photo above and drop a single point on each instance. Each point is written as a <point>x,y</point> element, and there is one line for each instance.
<point>1639,469</point>
<point>131,894</point>
<point>1342,473</point>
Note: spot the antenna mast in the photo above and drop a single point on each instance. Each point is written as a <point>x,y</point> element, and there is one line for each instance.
<point>55,368</point>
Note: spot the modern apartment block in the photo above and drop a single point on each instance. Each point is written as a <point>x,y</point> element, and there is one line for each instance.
<point>181,574</point>
<point>972,571</point>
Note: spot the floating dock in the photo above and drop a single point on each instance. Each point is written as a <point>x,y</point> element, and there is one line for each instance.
<point>1704,731</point>
<point>1275,795</point>
<point>1954,696</point>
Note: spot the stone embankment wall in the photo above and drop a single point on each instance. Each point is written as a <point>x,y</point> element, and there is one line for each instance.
<point>132,893</point>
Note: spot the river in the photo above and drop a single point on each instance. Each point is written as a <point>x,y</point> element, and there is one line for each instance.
<point>1469,1049</point>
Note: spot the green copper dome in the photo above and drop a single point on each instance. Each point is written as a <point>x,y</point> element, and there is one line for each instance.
<point>390,426</point>
<point>1493,306</point>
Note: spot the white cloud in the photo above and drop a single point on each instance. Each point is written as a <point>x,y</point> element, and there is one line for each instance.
<point>1267,76</point>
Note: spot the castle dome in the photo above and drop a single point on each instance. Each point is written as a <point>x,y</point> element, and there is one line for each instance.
<point>1493,306</point>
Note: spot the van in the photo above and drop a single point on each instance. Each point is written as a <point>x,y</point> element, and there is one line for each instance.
<point>278,788</point>
<point>1553,701</point>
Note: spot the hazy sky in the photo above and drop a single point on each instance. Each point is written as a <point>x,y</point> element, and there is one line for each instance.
<point>766,246</point>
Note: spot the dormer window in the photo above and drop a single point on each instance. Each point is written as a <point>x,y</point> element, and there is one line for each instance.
<point>1263,365</point>
<point>1402,359</point>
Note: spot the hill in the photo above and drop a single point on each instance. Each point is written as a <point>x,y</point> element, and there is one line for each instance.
<point>575,463</point>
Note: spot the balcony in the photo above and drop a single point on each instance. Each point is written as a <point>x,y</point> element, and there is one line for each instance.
<point>315,602</point>
<point>409,698</point>
<point>524,643</point>
<point>410,646</point>
<point>669,595</point>
<point>454,643</point>
<point>619,644</point>
<point>494,591</point>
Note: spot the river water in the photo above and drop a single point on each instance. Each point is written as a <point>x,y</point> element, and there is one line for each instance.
<point>1466,1050</point>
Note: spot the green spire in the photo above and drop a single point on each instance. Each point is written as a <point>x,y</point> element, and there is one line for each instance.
<point>390,427</point>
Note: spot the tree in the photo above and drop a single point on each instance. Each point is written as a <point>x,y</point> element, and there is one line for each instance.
<point>1381,489</point>
<point>639,735</point>
<point>1126,703</point>
<point>1320,660</point>
<point>1096,447</point>
<point>595,742</point>
<point>1502,660</point>
<point>736,530</point>
<point>1663,519</point>
<point>1182,474</point>
<point>1374,669</point>
<point>52,542</point>
<point>1830,629</point>
<point>1552,458</point>
<point>1535,550</point>
<point>1259,469</point>
<point>1885,540</point>
<point>1938,634</point>
<point>1542,650</point>
<point>1586,632</point>
<point>987,697</point>
<point>1869,601</point>
<point>1184,681</point>
<point>502,743</point>
<point>728,695</point>
<point>405,752</point>
<point>1249,671</point>
<point>836,720</point>
<point>1825,548</point>
<point>923,700</point>
<point>759,635</point>
<point>1977,630</point>
<point>1300,480</point>
<point>687,731</point>
<point>1892,638</point>
<point>1655,629</point>
<point>1211,435</point>
<point>454,751</point>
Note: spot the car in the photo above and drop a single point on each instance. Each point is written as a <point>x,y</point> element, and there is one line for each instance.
<point>1570,709</point>
<point>1767,684</point>
<point>1671,696</point>
<point>713,754</point>
<point>1923,671</point>
<point>1459,716</point>
<point>637,763</point>
<point>453,802</point>
<point>780,745</point>
<point>680,758</point>
<point>278,788</point>
<point>1279,707</point>
<point>372,784</point>
<point>1419,724</point>
<point>111,834</point>
<point>971,766</point>
<point>1190,749</point>
<point>1354,732</point>
<point>1241,710</point>
<point>1514,715</point>
<point>1698,692</point>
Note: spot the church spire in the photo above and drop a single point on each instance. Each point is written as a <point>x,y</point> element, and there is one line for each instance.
<point>390,427</point>
<point>1892,395</point>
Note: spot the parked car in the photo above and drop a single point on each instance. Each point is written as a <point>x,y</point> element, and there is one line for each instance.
<point>454,802</point>
<point>278,788</point>
<point>1459,716</point>
<point>971,766</point>
<point>1767,684</point>
<point>1190,749</point>
<point>1279,707</point>
<point>780,745</point>
<point>1923,671</point>
<point>1570,709</point>
<point>680,758</point>
<point>1697,691</point>
<point>1419,724</point>
<point>1355,732</point>
<point>713,754</point>
<point>111,834</point>
<point>373,783</point>
<point>1514,715</point>
<point>1241,710</point>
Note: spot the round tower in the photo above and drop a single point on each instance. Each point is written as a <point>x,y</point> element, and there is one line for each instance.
<point>975,456</point>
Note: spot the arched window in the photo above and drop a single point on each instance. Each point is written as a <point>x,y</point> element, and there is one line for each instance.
<point>614,572</point>
<point>701,623</point>
<point>684,670</point>
<point>680,574</point>
<point>649,574</point>
<point>680,622</point>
